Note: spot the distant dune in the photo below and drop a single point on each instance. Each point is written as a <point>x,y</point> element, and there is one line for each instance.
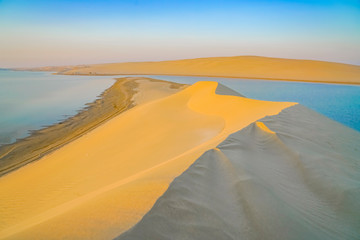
<point>237,67</point>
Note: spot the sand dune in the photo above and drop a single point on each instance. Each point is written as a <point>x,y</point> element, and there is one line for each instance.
<point>113,101</point>
<point>239,67</point>
<point>295,175</point>
<point>102,183</point>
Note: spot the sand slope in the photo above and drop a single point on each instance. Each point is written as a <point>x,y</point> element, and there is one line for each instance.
<point>102,183</point>
<point>240,67</point>
<point>295,175</point>
<point>113,101</point>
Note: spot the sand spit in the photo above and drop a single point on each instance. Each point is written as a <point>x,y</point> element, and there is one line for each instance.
<point>118,98</point>
<point>101,184</point>
<point>295,175</point>
<point>234,67</point>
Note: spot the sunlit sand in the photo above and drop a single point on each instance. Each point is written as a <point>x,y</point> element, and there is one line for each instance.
<point>102,183</point>
<point>294,175</point>
<point>115,100</point>
<point>152,159</point>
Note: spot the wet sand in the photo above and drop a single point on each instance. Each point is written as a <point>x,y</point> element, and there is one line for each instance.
<point>113,101</point>
<point>192,162</point>
<point>102,183</point>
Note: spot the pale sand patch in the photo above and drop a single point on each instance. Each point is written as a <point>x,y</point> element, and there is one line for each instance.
<point>103,182</point>
<point>150,89</point>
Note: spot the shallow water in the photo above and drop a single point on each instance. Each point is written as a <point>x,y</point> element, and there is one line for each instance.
<point>336,101</point>
<point>31,100</point>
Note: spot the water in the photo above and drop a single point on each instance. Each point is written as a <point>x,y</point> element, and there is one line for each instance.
<point>31,100</point>
<point>336,101</point>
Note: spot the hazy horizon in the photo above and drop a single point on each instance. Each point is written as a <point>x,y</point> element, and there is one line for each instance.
<point>41,33</point>
<point>94,63</point>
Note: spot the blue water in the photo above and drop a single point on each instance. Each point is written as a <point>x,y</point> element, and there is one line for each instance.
<point>32,100</point>
<point>338,102</point>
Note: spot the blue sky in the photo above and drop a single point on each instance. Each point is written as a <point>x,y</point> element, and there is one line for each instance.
<point>40,33</point>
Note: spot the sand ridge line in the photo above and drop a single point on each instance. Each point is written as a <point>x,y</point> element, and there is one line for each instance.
<point>113,101</point>
<point>274,179</point>
<point>76,202</point>
<point>177,126</point>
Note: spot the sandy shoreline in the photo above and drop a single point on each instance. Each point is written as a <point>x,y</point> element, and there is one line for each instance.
<point>113,101</point>
<point>130,161</point>
<point>186,162</point>
<point>209,76</point>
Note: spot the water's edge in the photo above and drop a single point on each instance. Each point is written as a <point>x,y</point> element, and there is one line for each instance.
<point>110,103</point>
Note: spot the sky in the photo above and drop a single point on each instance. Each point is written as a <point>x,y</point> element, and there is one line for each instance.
<point>48,33</point>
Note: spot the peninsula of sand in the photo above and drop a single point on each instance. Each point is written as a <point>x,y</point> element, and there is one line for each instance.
<point>169,161</point>
<point>251,67</point>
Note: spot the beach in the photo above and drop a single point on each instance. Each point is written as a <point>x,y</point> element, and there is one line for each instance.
<point>122,154</point>
<point>180,120</point>
<point>118,98</point>
<point>159,160</point>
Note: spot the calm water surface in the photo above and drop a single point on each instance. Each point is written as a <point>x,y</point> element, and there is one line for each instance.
<point>31,100</point>
<point>336,101</point>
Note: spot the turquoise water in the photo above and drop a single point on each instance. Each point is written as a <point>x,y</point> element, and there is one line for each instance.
<point>32,100</point>
<point>338,102</point>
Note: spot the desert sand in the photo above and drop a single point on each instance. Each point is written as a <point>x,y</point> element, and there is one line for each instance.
<point>295,175</point>
<point>235,67</point>
<point>102,183</point>
<point>191,162</point>
<point>118,98</point>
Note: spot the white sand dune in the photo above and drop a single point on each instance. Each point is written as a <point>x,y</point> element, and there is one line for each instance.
<point>295,175</point>
<point>102,183</point>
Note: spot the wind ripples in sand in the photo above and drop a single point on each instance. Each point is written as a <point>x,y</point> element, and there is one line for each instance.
<point>261,183</point>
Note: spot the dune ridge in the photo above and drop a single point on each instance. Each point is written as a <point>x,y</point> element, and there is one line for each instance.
<point>252,67</point>
<point>113,101</point>
<point>102,183</point>
<point>294,175</point>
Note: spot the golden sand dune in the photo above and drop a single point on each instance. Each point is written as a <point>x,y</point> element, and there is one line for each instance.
<point>113,101</point>
<point>102,183</point>
<point>239,67</point>
<point>295,176</point>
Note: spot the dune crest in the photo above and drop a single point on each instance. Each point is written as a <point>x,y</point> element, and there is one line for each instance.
<point>292,176</point>
<point>121,96</point>
<point>102,183</point>
<point>263,127</point>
